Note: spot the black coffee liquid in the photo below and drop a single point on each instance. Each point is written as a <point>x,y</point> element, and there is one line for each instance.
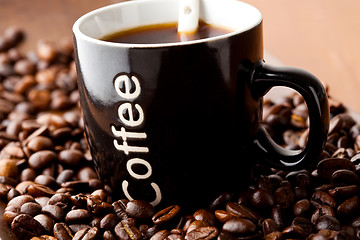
<point>164,33</point>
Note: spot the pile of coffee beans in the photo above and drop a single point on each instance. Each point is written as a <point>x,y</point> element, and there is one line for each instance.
<point>52,191</point>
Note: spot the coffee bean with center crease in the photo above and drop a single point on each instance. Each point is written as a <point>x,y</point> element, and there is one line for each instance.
<point>166,215</point>
<point>321,211</point>
<point>38,190</point>
<point>269,226</point>
<point>261,198</point>
<point>62,231</point>
<point>205,215</point>
<point>327,222</point>
<point>56,212</point>
<point>24,226</point>
<point>127,231</point>
<point>87,234</point>
<point>205,233</point>
<point>239,210</point>
<point>45,221</point>
<point>322,198</point>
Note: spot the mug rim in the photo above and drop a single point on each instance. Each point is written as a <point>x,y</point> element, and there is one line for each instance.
<point>79,33</point>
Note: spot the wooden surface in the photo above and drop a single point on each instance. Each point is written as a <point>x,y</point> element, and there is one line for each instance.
<point>320,36</point>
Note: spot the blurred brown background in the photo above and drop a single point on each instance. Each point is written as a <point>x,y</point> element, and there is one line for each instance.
<point>321,36</point>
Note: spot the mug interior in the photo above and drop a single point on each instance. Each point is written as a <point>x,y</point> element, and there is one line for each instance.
<point>229,14</point>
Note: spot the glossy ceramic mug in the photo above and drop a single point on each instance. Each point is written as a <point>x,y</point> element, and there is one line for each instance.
<point>180,122</point>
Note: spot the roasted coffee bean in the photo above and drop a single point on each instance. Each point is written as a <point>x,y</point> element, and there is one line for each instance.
<point>98,207</point>
<point>30,208</point>
<point>205,215</point>
<point>304,223</point>
<point>79,200</point>
<point>327,222</point>
<point>77,227</point>
<point>284,196</point>
<point>62,200</point>
<point>222,215</point>
<point>12,193</point>
<point>24,67</point>
<point>14,35</point>
<point>239,226</point>
<point>56,212</point>
<point>174,236</point>
<point>327,167</point>
<point>28,174</point>
<point>344,176</point>
<point>261,198</point>
<point>46,181</point>
<point>44,237</point>
<point>8,181</point>
<point>273,236</point>
<point>78,216</point>
<point>166,215</point>
<point>81,234</point>
<point>160,235</point>
<point>221,200</point>
<point>322,198</point>
<point>65,176</point>
<point>202,233</point>
<point>24,226</point>
<point>42,201</point>
<point>107,235</point>
<point>8,168</point>
<point>126,231</point>
<point>88,234</point>
<point>46,50</point>
<point>344,192</point>
<point>120,209</point>
<point>86,173</point>
<point>71,157</point>
<point>269,226</point>
<point>293,232</point>
<point>101,193</point>
<point>321,211</point>
<point>62,231</point>
<point>277,216</point>
<point>109,221</point>
<point>302,208</point>
<point>139,209</point>
<point>349,207</point>
<point>239,210</point>
<point>38,190</point>
<point>40,143</point>
<point>42,159</point>
<point>45,221</point>
<point>194,224</point>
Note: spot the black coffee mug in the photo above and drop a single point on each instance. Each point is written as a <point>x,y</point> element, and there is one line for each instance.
<point>180,122</point>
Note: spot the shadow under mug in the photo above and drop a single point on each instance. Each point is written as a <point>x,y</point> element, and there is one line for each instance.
<point>180,122</point>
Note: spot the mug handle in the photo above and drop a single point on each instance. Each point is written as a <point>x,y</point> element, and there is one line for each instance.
<point>262,79</point>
